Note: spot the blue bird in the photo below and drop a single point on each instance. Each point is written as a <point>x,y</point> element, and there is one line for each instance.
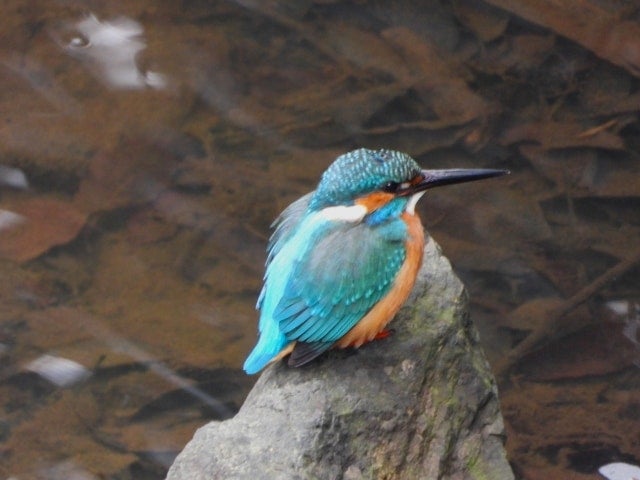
<point>343,259</point>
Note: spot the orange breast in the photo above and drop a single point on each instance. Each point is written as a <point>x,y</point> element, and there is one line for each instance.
<point>382,313</point>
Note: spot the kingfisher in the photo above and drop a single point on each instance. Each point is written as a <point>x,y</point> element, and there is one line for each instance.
<point>343,258</point>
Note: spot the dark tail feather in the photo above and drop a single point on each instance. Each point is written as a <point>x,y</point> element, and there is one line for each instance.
<point>304,352</point>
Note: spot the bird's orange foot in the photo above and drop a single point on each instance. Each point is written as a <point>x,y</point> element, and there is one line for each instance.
<point>383,334</point>
<point>360,341</point>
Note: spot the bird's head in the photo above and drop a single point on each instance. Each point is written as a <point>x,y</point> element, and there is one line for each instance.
<point>382,183</point>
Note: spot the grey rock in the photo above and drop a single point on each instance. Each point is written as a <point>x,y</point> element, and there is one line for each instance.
<point>421,404</point>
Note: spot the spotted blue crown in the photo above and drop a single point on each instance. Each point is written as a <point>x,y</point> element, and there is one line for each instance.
<point>359,172</point>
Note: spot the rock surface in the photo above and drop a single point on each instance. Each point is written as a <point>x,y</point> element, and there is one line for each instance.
<point>421,404</point>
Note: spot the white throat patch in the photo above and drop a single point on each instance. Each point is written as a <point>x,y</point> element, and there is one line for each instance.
<point>411,204</point>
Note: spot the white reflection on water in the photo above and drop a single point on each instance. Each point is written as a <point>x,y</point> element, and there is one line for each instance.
<point>630,315</point>
<point>110,50</point>
<point>59,371</point>
<point>9,219</point>
<point>13,177</point>
<point>620,471</point>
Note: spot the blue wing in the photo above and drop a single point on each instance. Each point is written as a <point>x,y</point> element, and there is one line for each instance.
<point>271,340</point>
<point>316,295</point>
<point>347,272</point>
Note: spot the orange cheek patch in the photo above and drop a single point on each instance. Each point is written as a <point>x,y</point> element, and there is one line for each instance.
<point>417,179</point>
<point>374,200</point>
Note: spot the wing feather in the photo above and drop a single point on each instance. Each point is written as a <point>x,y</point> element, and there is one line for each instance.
<point>347,272</point>
<point>322,278</point>
<point>305,352</point>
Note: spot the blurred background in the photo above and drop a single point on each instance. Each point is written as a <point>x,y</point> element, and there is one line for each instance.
<point>145,148</point>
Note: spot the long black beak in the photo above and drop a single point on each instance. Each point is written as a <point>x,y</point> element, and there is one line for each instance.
<point>436,178</point>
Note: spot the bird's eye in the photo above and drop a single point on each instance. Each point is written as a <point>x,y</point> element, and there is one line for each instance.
<point>390,187</point>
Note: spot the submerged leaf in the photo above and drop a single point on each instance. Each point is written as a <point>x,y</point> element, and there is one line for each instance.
<point>46,222</point>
